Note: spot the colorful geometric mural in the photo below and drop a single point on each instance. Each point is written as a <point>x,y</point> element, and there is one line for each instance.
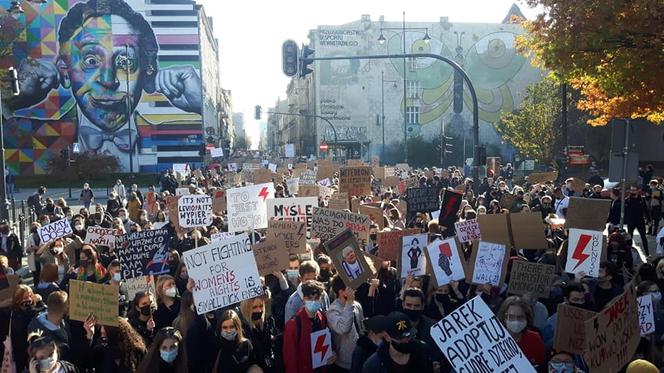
<point>103,75</point>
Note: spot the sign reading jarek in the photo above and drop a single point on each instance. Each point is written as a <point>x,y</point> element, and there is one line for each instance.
<point>224,273</point>
<point>293,209</point>
<point>424,199</point>
<point>143,253</point>
<point>247,207</point>
<point>195,211</point>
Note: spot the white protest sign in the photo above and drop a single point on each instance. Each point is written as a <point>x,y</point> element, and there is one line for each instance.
<point>435,214</point>
<point>55,230</point>
<point>646,314</point>
<point>216,152</point>
<point>182,191</point>
<point>446,261</point>
<point>473,340</point>
<point>584,252</point>
<point>293,185</point>
<point>232,167</point>
<point>220,236</point>
<point>195,211</point>
<point>272,167</point>
<point>292,209</point>
<point>413,258</point>
<point>321,348</point>
<point>138,284</point>
<point>224,273</point>
<point>468,230</point>
<point>488,263</point>
<point>290,166</point>
<point>181,168</point>
<point>247,207</point>
<point>100,236</point>
<point>289,150</point>
<point>325,182</point>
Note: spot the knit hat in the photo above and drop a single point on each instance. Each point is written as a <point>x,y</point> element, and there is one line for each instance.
<point>641,366</point>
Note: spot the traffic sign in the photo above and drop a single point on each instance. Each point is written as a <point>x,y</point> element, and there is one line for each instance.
<point>323,147</point>
<point>76,148</point>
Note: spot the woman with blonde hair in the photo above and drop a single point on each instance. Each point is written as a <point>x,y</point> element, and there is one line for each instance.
<point>25,305</point>
<point>236,353</point>
<point>168,302</point>
<point>260,328</point>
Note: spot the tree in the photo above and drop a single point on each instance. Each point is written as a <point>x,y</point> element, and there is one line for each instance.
<point>611,50</point>
<point>86,166</point>
<point>533,129</point>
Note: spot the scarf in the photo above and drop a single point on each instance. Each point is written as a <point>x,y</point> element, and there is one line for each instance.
<point>99,273</point>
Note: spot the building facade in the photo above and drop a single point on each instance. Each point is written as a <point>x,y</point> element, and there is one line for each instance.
<point>136,79</point>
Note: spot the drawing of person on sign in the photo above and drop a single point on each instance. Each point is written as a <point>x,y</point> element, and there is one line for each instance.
<point>414,253</point>
<point>350,264</point>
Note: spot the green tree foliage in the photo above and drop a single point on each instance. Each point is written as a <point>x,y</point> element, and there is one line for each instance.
<point>86,166</point>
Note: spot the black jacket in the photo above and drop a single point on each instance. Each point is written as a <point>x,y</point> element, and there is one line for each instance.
<point>363,349</point>
<point>14,248</point>
<point>379,362</point>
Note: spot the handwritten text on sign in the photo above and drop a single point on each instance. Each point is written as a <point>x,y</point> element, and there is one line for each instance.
<point>55,230</point>
<point>247,207</point>
<point>101,236</point>
<point>328,223</point>
<point>195,211</point>
<point>646,315</point>
<point>468,230</point>
<point>143,253</point>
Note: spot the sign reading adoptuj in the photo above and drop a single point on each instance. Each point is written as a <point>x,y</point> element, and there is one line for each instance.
<point>143,253</point>
<point>224,273</point>
<point>55,230</point>
<point>423,199</point>
<point>247,207</point>
<point>101,236</point>
<point>195,211</point>
<point>473,340</point>
<point>328,223</point>
<point>293,209</point>
<point>356,181</point>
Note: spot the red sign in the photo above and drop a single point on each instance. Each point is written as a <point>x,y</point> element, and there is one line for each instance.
<point>323,147</point>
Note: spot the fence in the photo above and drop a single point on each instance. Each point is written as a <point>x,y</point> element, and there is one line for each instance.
<point>21,218</point>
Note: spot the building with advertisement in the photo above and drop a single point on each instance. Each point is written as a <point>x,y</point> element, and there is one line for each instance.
<point>137,79</point>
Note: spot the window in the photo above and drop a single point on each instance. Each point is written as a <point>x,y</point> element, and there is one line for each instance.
<point>412,64</point>
<point>413,114</point>
<point>413,88</point>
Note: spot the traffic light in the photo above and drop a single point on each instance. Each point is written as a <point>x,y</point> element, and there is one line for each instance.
<point>201,150</point>
<point>289,57</point>
<point>305,60</point>
<point>64,154</point>
<point>13,77</point>
<point>258,112</point>
<point>482,160</point>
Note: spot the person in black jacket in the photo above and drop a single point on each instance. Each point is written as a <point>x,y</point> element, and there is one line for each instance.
<point>10,246</point>
<point>202,343</point>
<point>636,214</point>
<point>369,342</point>
<point>25,306</point>
<point>261,330</point>
<point>236,354</point>
<point>140,315</point>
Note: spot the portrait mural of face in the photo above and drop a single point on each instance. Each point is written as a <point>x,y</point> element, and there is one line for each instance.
<point>101,84</point>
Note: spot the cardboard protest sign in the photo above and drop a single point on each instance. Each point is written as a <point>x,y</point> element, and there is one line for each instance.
<point>262,175</point>
<point>646,314</point>
<point>8,284</point>
<point>172,206</point>
<point>290,236</point>
<point>374,213</point>
<point>468,230</point>
<point>326,171</point>
<point>293,185</point>
<point>338,201</point>
<point>613,335</point>
<point>495,228</point>
<point>527,230</point>
<point>224,273</point>
<point>293,209</point>
<point>100,236</point>
<point>355,204</point>
<point>140,284</point>
<point>182,191</point>
<point>327,223</point>
<point>533,278</point>
<point>308,191</point>
<point>269,257</point>
<point>489,263</point>
<point>219,201</point>
<point>356,181</point>
<point>347,257</point>
<point>55,230</point>
<point>446,261</point>
<point>587,213</point>
<point>390,243</point>
<point>570,330</point>
<point>355,162</point>
<point>378,172</point>
<point>391,181</point>
<point>88,298</point>
<point>584,251</point>
<point>143,253</point>
<point>195,211</point>
<point>247,207</point>
<point>413,259</point>
<point>542,177</point>
<point>449,207</point>
<point>307,177</point>
<point>473,340</point>
<point>321,348</point>
<point>423,199</point>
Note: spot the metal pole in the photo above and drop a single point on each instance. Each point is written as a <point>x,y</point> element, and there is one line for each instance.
<point>564,112</point>
<point>442,143</point>
<point>405,117</point>
<point>131,148</point>
<point>382,109</point>
<point>624,177</point>
<point>4,212</point>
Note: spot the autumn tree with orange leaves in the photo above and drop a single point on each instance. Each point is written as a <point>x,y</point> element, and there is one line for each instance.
<point>612,51</point>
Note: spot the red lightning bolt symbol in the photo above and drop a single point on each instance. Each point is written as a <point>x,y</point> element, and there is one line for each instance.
<point>578,251</point>
<point>448,207</point>
<point>263,193</point>
<point>320,346</point>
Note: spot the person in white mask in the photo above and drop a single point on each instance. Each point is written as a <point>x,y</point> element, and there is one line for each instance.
<point>516,315</point>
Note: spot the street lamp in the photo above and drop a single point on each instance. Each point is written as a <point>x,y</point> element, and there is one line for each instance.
<point>131,148</point>
<point>382,107</point>
<point>426,39</point>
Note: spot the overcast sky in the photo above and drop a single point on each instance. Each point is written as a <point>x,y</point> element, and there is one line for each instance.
<point>251,32</point>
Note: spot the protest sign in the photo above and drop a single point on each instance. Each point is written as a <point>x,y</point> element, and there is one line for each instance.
<point>307,177</point>
<point>55,230</point>
<point>290,236</point>
<point>374,213</point>
<point>100,236</point>
<point>232,167</point>
<point>88,298</point>
<point>181,168</point>
<point>423,199</point>
<point>473,340</point>
<point>308,191</point>
<point>355,204</point>
<point>321,348</point>
<point>139,284</point>
<point>613,335</point>
<point>327,223</point>
<point>224,273</point>
<point>468,230</point>
<point>325,192</point>
<point>8,284</point>
<point>446,261</point>
<point>489,263</point>
<point>325,183</point>
<point>338,201</point>
<point>356,181</point>
<point>143,253</point>
<point>272,167</point>
<point>390,243</point>
<point>378,172</point>
<point>347,258</point>
<point>391,181</point>
<point>570,330</point>
<point>646,315</point>
<point>247,207</point>
<point>448,208</point>
<point>326,171</point>
<point>220,236</point>
<point>584,252</point>
<point>355,162</point>
<point>403,166</point>
<point>172,206</point>
<point>293,209</point>
<point>527,230</point>
<point>195,211</point>
<point>533,278</point>
<point>495,228</point>
<point>219,201</point>
<point>293,185</point>
<point>270,257</point>
<point>542,177</point>
<point>413,259</point>
<point>262,176</point>
<point>216,152</point>
<point>587,213</point>
<point>578,185</point>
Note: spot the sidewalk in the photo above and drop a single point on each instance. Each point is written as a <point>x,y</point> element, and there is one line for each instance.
<point>101,194</point>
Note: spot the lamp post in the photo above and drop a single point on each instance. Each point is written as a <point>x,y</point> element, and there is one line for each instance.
<point>426,39</point>
<point>131,148</point>
<point>382,107</point>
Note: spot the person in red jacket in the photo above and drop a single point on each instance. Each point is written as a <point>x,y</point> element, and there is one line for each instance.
<point>517,316</point>
<point>297,332</point>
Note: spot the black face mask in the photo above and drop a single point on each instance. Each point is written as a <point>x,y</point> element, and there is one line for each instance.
<point>255,316</point>
<point>373,237</point>
<point>585,305</point>
<point>146,310</point>
<point>440,297</point>
<point>413,315</point>
<point>404,348</point>
<point>83,263</point>
<point>26,303</point>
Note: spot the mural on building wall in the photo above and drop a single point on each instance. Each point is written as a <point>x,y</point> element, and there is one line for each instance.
<point>90,73</point>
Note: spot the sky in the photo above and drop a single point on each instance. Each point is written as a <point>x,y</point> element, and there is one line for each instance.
<point>250,34</point>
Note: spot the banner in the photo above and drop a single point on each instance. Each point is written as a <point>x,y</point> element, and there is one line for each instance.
<point>646,315</point>
<point>101,236</point>
<point>195,211</point>
<point>99,300</point>
<point>468,230</point>
<point>584,252</point>
<point>292,209</point>
<point>587,213</point>
<point>356,181</point>
<point>413,259</point>
<point>570,330</point>
<point>446,261</point>
<point>389,243</point>
<point>489,263</point>
<point>348,259</point>
<point>448,208</point>
<point>269,257</point>
<point>534,278</point>
<point>290,236</point>
<point>328,223</point>
<point>55,230</point>
<point>423,199</point>
<point>247,207</point>
<point>139,284</point>
<point>224,273</point>
<point>143,253</point>
<point>473,340</point>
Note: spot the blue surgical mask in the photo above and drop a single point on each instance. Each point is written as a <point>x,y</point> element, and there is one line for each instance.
<point>561,367</point>
<point>292,273</point>
<point>169,356</point>
<point>117,277</point>
<point>48,363</point>
<point>313,306</point>
<point>229,335</point>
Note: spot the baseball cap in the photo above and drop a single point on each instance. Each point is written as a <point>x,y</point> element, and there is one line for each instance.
<point>376,323</point>
<point>398,325</point>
